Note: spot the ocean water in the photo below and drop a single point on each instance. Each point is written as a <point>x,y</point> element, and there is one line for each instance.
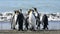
<point>47,6</point>
<point>53,25</point>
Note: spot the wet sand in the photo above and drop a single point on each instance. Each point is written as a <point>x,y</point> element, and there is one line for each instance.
<point>30,32</point>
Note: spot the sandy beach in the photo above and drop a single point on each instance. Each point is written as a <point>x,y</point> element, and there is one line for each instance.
<point>30,32</point>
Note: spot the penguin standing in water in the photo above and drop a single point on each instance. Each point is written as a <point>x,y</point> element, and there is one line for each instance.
<point>26,21</point>
<point>45,21</point>
<point>32,20</point>
<point>13,24</point>
<point>19,20</point>
<point>37,17</point>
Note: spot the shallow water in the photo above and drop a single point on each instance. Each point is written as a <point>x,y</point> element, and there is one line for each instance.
<point>5,25</point>
<point>54,25</point>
